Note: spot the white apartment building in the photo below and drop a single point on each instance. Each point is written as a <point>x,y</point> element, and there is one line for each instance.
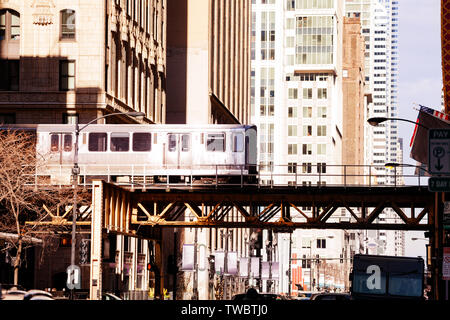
<point>379,20</point>
<point>296,89</point>
<point>296,102</point>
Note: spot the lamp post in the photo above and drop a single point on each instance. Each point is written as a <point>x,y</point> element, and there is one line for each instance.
<point>76,172</point>
<point>394,165</point>
<point>271,244</point>
<point>436,240</point>
<point>227,234</point>
<point>375,121</point>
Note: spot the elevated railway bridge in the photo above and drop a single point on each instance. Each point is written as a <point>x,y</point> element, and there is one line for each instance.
<point>140,210</point>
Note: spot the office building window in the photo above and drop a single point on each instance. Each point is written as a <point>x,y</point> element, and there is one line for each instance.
<point>322,149</point>
<point>314,42</point>
<point>321,167</point>
<point>292,148</point>
<point>292,93</point>
<point>292,130</point>
<point>321,243</point>
<point>307,131</point>
<point>9,25</point>
<point>322,112</point>
<point>307,148</point>
<point>307,93</point>
<point>322,130</point>
<point>292,167</point>
<point>321,93</point>
<point>7,118</point>
<point>9,75</point>
<point>66,75</point>
<point>70,118</point>
<point>306,167</point>
<point>67,24</point>
<point>307,112</point>
<point>292,112</point>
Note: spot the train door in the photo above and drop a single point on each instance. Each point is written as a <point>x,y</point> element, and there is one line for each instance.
<point>179,150</point>
<point>61,148</point>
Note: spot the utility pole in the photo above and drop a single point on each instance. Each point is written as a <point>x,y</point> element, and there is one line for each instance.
<point>195,290</point>
<point>290,264</point>
<point>225,235</point>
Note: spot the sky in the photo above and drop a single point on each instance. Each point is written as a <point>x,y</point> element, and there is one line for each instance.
<point>420,78</point>
<point>420,74</point>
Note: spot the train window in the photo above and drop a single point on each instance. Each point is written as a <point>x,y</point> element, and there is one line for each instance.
<point>238,142</point>
<point>142,141</point>
<point>98,141</point>
<point>120,141</point>
<point>54,142</point>
<point>172,142</point>
<point>215,142</point>
<point>67,142</point>
<point>185,142</point>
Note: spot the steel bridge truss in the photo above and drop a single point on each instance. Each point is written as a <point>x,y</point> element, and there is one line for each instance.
<point>124,210</point>
<point>277,208</point>
<point>143,213</point>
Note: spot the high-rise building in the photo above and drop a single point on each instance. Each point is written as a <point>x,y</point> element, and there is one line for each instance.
<point>297,102</point>
<point>297,88</point>
<point>67,60</point>
<point>208,70</point>
<point>379,20</point>
<point>81,59</point>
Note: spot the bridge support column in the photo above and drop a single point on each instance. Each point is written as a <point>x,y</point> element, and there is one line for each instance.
<point>95,287</point>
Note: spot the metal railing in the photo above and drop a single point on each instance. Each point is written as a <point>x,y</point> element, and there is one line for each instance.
<point>260,176</point>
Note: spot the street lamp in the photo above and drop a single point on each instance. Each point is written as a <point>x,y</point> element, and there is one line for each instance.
<point>438,230</point>
<point>227,234</point>
<point>375,121</point>
<point>271,245</point>
<point>394,165</point>
<point>76,172</point>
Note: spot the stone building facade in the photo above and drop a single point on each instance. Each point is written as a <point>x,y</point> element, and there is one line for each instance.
<point>208,61</point>
<point>62,59</point>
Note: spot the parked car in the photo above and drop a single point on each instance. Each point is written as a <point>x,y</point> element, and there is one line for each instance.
<point>35,294</point>
<point>331,296</point>
<point>13,294</point>
<point>305,295</point>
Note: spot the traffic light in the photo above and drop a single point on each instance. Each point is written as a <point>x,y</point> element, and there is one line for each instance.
<point>341,258</point>
<point>65,241</point>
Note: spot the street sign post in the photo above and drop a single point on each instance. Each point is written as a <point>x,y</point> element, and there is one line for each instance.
<point>446,264</point>
<point>439,151</point>
<point>73,277</point>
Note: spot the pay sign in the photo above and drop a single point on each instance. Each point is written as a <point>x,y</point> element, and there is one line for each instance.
<point>439,151</point>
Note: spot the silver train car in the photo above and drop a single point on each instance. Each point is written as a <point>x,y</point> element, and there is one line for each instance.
<point>127,153</point>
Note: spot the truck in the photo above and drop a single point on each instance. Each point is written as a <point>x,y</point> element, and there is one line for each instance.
<point>387,277</point>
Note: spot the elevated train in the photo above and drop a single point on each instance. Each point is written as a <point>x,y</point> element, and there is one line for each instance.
<point>146,153</point>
